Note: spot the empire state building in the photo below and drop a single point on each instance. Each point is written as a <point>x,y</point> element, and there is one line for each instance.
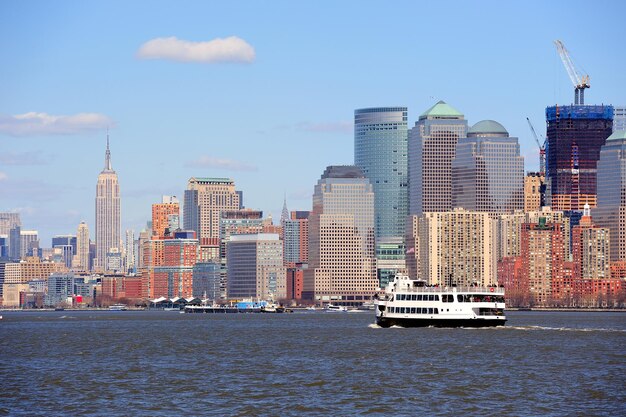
<point>107,212</point>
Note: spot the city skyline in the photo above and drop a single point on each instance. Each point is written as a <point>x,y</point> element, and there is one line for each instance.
<point>279,94</point>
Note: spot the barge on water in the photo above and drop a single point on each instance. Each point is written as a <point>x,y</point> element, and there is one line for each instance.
<point>410,303</point>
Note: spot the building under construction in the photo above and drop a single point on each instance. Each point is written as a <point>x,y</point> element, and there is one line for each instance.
<point>575,135</point>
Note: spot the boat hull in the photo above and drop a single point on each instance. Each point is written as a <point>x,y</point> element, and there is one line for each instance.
<point>428,322</point>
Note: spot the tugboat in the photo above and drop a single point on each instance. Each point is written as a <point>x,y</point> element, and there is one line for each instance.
<point>411,303</point>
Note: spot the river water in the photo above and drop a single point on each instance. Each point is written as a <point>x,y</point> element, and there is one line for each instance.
<point>163,363</point>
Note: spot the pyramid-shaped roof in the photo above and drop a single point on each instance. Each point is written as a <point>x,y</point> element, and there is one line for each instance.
<point>617,135</point>
<point>441,110</point>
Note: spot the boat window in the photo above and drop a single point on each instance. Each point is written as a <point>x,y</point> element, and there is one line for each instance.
<point>436,297</point>
<point>414,297</point>
<point>419,297</point>
<point>431,297</point>
<point>436,311</point>
<point>459,298</point>
<point>430,310</point>
<point>412,310</point>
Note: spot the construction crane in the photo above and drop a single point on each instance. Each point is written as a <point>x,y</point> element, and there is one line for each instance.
<point>580,81</point>
<point>542,149</point>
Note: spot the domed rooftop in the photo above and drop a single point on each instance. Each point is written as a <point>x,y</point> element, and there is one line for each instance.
<point>487,127</point>
<point>617,135</point>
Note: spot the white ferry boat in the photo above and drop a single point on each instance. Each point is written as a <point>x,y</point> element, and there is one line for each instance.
<point>410,303</point>
<point>118,307</point>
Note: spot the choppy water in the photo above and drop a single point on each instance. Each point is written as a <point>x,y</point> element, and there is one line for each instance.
<point>164,363</point>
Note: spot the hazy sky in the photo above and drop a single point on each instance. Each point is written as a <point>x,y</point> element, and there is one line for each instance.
<point>263,91</point>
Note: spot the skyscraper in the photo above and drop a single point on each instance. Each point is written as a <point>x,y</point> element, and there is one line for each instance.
<point>296,237</point>
<point>108,223</point>
<point>488,171</point>
<point>432,147</point>
<point>342,263</point>
<point>575,135</point>
<point>130,263</point>
<point>611,210</point>
<point>205,199</point>
<point>82,247</point>
<point>380,150</point>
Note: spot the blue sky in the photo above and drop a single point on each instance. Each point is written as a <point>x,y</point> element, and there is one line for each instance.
<point>277,107</point>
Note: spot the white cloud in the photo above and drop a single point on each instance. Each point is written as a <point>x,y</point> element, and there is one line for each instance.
<point>31,124</point>
<point>231,49</point>
<point>3,176</point>
<point>228,164</point>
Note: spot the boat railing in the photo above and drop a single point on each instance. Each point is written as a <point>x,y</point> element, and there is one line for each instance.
<point>446,289</point>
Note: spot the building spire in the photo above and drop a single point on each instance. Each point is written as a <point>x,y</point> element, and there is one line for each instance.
<point>107,155</point>
<point>285,214</point>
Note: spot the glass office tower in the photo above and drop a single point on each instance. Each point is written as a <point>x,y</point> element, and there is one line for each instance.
<point>380,150</point>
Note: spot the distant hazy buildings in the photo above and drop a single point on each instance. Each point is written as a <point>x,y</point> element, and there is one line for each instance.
<point>29,243</point>
<point>108,221</point>
<point>255,267</point>
<point>342,264</point>
<point>380,150</point>
<point>8,222</point>
<point>432,147</point>
<point>488,171</point>
<point>458,247</point>
<point>611,210</point>
<point>205,199</point>
<point>575,135</point>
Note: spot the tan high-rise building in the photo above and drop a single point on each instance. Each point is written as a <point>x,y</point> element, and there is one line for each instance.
<point>82,248</point>
<point>205,199</point>
<point>432,147</point>
<point>553,216</point>
<point>590,249</point>
<point>458,247</point>
<point>413,247</point>
<point>533,186</point>
<point>108,212</point>
<point>543,248</point>
<point>162,214</point>
<point>29,269</point>
<point>342,258</point>
<point>509,234</point>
